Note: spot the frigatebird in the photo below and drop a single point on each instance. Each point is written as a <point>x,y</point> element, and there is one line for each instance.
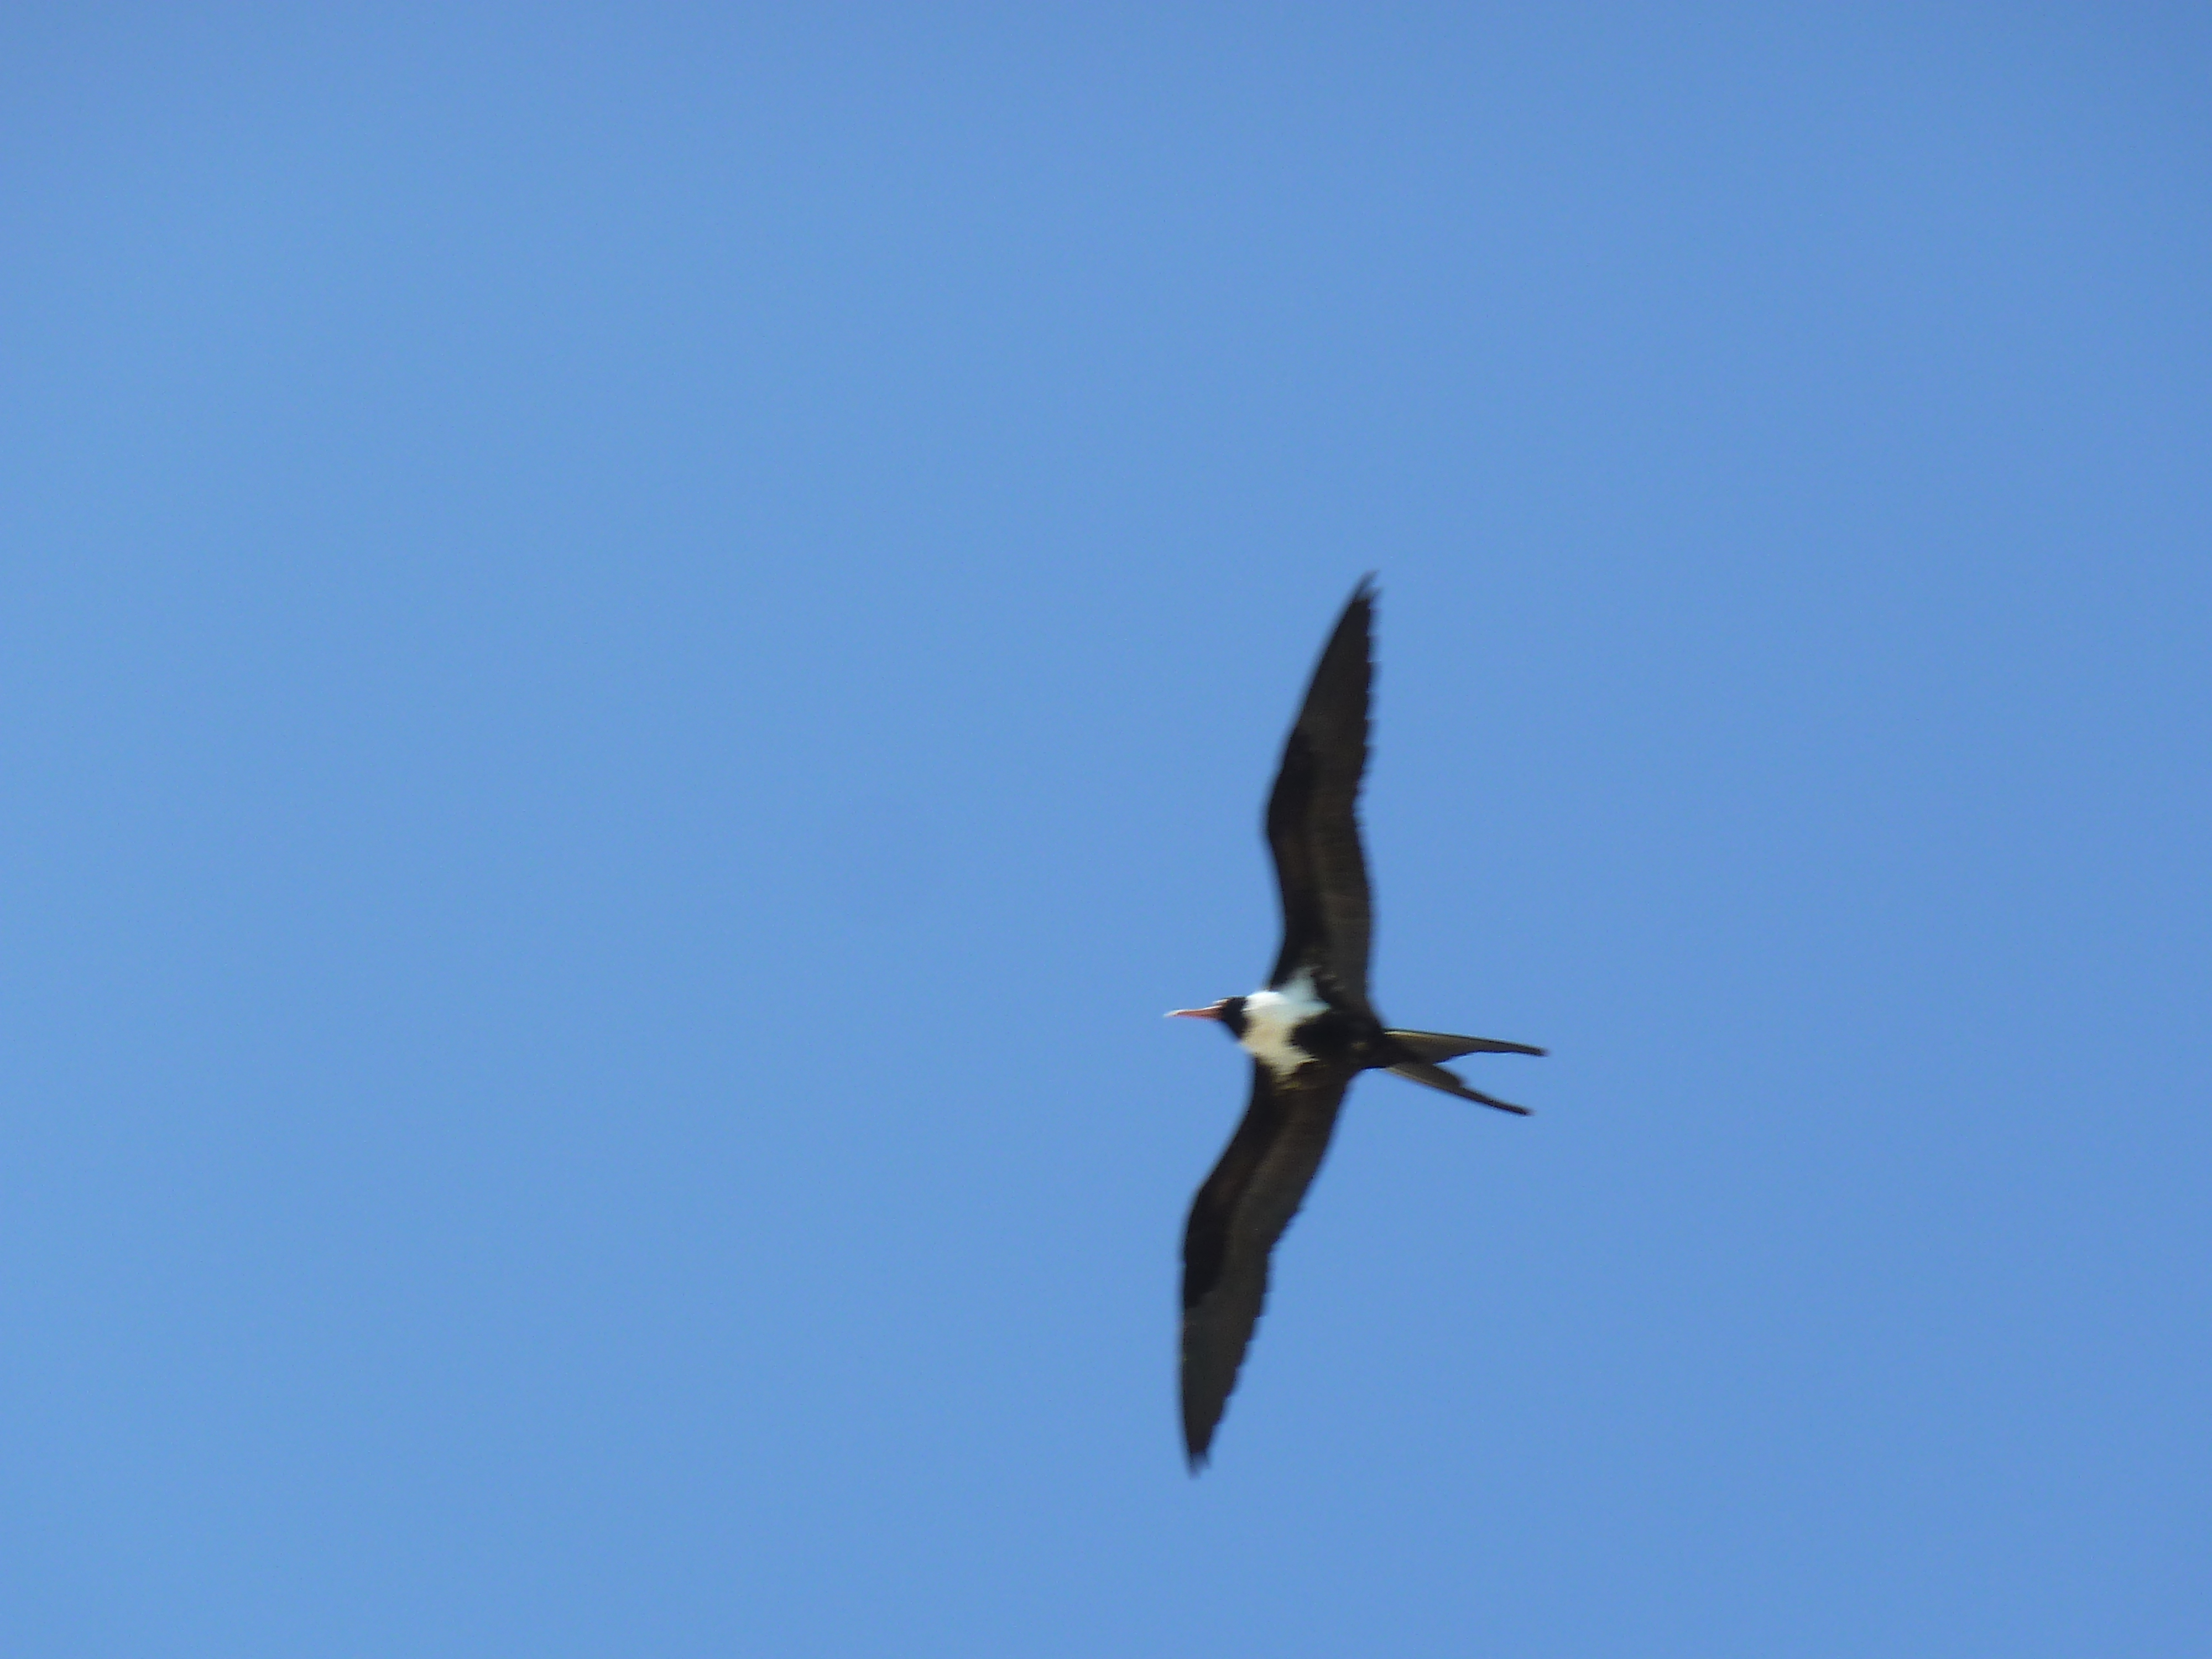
<point>1309,1032</point>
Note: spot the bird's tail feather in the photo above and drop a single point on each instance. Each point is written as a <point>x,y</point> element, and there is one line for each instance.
<point>1420,1071</point>
<point>1433,1046</point>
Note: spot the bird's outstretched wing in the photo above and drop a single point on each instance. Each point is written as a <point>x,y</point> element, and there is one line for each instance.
<point>1235,1221</point>
<point>1313,816</point>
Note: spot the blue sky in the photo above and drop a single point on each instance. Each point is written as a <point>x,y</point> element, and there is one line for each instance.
<point>639,644</point>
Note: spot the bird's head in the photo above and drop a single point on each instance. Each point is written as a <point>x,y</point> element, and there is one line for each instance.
<point>1229,1011</point>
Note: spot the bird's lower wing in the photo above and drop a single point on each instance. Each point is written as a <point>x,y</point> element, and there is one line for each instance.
<point>1238,1216</point>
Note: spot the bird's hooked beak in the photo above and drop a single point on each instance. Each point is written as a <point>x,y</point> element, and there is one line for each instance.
<point>1213,1012</point>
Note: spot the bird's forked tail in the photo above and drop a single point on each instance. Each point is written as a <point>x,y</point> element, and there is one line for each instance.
<point>1423,1049</point>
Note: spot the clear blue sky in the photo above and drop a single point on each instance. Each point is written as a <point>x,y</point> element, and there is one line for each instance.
<point>639,644</point>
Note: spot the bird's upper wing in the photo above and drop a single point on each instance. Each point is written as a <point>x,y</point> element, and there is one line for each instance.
<point>1313,818</point>
<point>1235,1221</point>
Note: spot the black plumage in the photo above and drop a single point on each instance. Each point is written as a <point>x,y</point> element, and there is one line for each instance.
<point>1310,1031</point>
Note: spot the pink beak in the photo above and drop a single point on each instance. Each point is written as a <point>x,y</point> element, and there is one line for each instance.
<point>1214,1012</point>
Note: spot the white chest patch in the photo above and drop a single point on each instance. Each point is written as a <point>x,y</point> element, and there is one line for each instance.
<point>1270,1017</point>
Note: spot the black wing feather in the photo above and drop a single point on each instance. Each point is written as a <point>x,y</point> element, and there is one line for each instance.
<point>1235,1220</point>
<point>1313,816</point>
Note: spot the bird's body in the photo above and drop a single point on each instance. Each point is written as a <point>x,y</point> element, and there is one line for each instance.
<point>1272,1021</point>
<point>1310,1030</point>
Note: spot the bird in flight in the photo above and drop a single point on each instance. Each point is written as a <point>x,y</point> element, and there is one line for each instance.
<point>1309,1032</point>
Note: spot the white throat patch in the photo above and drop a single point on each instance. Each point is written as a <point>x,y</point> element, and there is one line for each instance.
<point>1270,1017</point>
